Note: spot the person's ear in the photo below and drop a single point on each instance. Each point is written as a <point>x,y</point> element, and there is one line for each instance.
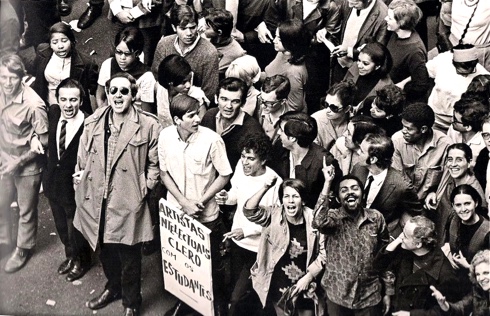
<point>424,129</point>
<point>377,67</point>
<point>220,32</point>
<point>467,128</point>
<point>373,160</point>
<point>177,120</point>
<point>418,244</point>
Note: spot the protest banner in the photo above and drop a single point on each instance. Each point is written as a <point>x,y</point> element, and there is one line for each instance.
<point>186,258</point>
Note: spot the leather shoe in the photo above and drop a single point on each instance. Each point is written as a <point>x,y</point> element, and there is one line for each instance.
<point>104,299</point>
<point>17,260</point>
<point>89,16</point>
<point>65,266</point>
<point>64,8</point>
<point>76,272</point>
<point>131,312</point>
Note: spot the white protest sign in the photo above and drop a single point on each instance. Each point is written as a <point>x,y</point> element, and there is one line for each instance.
<point>186,258</point>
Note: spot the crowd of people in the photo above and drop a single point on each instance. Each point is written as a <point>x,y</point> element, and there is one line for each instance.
<point>340,170</point>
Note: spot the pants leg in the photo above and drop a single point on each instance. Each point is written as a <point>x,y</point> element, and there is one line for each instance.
<point>27,198</point>
<point>60,216</point>
<point>7,195</point>
<point>122,267</point>
<point>40,16</point>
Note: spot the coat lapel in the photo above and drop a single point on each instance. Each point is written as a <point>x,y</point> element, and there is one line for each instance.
<point>130,128</point>
<point>368,24</point>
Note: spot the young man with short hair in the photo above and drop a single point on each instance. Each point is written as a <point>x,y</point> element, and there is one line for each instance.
<point>199,53</point>
<point>419,149</point>
<point>229,120</point>
<point>194,167</point>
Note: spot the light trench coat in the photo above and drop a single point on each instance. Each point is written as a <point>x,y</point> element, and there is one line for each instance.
<point>133,172</point>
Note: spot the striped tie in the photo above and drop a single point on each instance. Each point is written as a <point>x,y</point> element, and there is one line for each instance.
<point>62,138</point>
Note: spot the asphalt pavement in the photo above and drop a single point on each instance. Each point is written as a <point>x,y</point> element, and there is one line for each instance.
<point>38,289</point>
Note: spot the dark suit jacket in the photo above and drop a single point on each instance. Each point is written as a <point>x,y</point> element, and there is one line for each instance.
<point>395,197</point>
<point>82,70</point>
<point>480,168</point>
<point>309,171</point>
<point>373,28</point>
<point>57,178</point>
<point>412,291</point>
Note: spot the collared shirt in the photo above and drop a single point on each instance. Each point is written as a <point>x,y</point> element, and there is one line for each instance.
<point>378,181</point>
<point>476,143</point>
<point>423,167</point>
<point>193,164</point>
<point>219,123</point>
<point>20,118</point>
<point>115,131</point>
<point>72,126</point>
<point>350,247</point>
<point>269,123</point>
<point>186,50</point>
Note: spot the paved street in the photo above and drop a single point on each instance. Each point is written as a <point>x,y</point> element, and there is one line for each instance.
<point>27,291</point>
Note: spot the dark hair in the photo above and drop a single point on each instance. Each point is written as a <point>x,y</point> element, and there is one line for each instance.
<point>182,104</point>
<point>259,143</point>
<point>468,154</point>
<point>278,83</point>
<point>419,114</point>
<point>234,84</point>
<point>70,83</point>
<point>301,126</point>
<point>424,231</point>
<point>173,69</point>
<point>363,125</point>
<point>466,189</point>
<point>133,38</point>
<point>380,56</point>
<point>472,113</point>
<point>134,86</point>
<point>479,89</point>
<point>14,64</point>
<point>390,98</point>
<point>381,147</point>
<point>181,15</point>
<point>296,184</point>
<point>220,19</point>
<point>345,91</point>
<point>349,177</point>
<point>296,39</point>
<point>65,29</point>
<point>407,13</point>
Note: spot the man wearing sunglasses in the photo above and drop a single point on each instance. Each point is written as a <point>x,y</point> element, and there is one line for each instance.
<point>117,167</point>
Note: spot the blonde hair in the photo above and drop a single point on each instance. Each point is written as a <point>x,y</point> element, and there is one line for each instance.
<point>246,68</point>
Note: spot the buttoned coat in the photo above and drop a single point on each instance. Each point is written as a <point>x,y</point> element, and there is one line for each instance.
<point>274,243</point>
<point>134,170</point>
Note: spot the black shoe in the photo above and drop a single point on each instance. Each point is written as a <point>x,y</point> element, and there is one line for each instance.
<point>89,16</point>
<point>131,312</point>
<point>104,299</point>
<point>65,266</point>
<point>64,8</point>
<point>77,271</point>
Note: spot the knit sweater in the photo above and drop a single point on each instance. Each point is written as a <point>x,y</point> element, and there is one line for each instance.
<point>203,60</point>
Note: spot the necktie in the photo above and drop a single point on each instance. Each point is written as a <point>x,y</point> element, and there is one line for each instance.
<point>366,190</point>
<point>358,12</point>
<point>62,138</point>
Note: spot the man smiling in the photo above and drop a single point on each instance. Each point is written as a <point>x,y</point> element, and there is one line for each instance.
<point>353,236</point>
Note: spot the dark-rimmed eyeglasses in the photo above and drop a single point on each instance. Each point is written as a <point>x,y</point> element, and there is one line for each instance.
<point>334,108</point>
<point>267,104</point>
<point>455,120</point>
<point>123,90</point>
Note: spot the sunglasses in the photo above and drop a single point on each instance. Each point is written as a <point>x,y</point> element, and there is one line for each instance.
<point>123,90</point>
<point>120,53</point>
<point>334,108</point>
<point>267,104</point>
